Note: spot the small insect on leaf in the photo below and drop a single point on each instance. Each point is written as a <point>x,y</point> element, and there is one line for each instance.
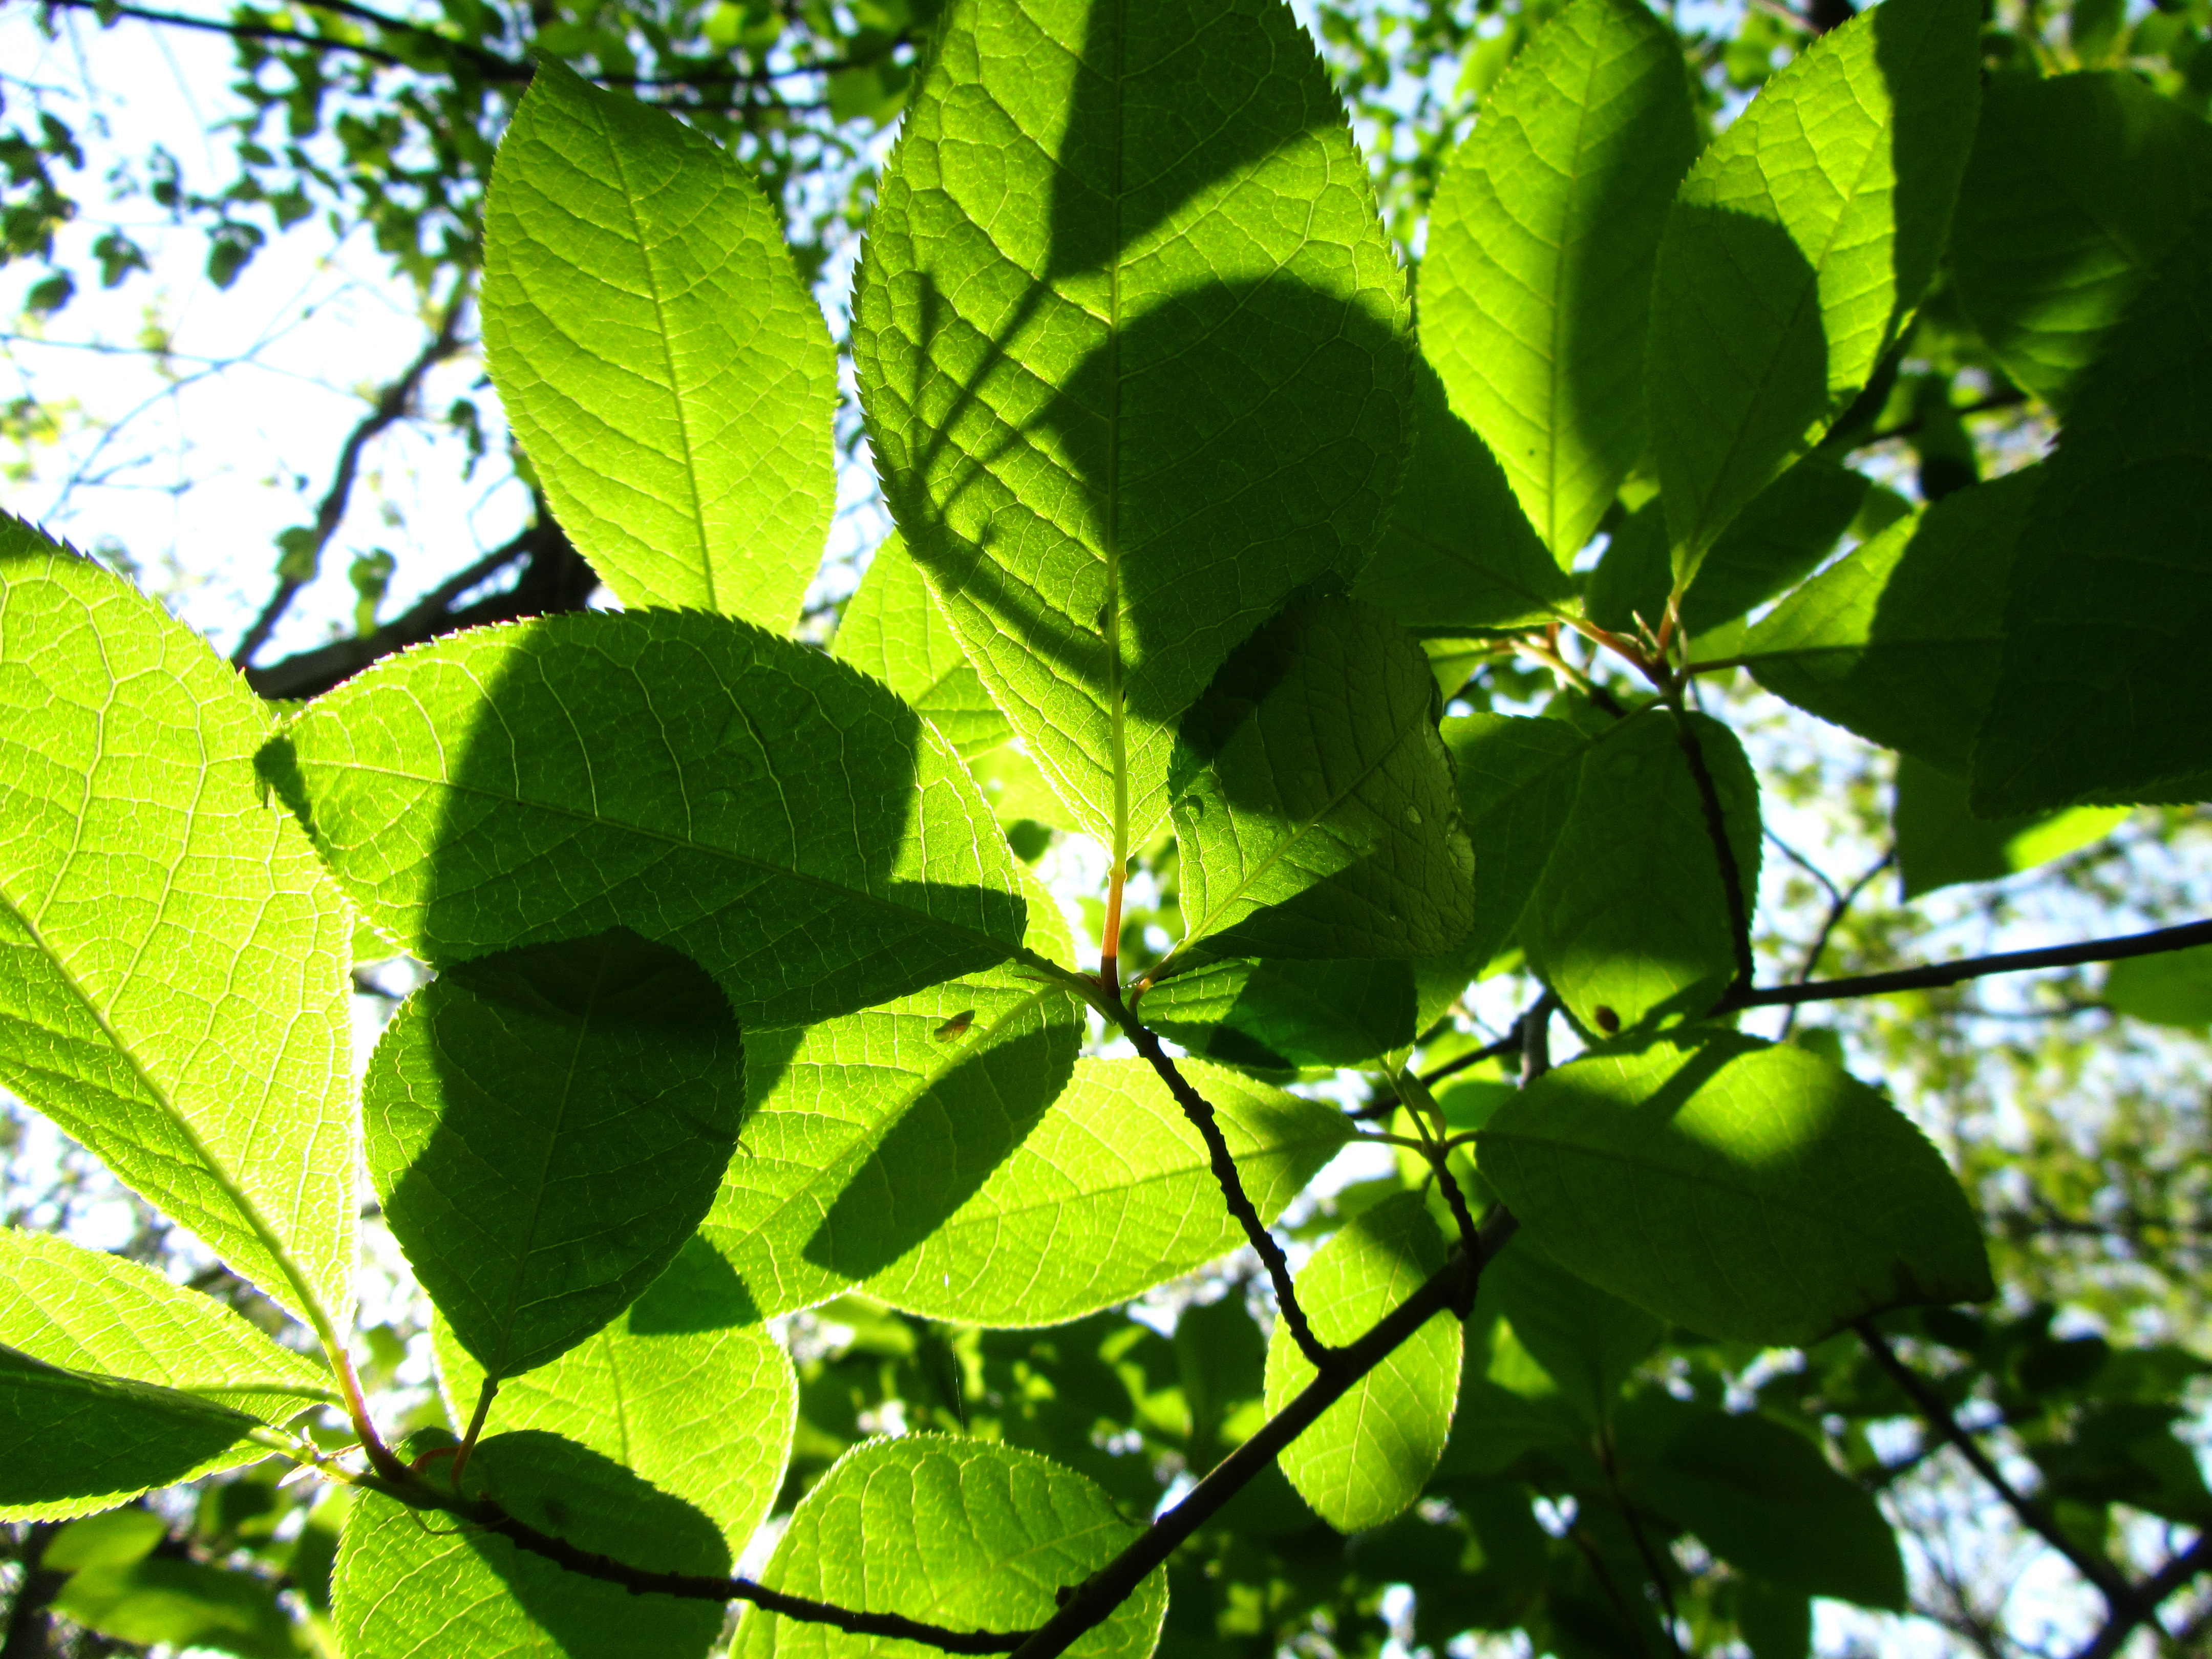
<point>956,1027</point>
<point>1608,1021</point>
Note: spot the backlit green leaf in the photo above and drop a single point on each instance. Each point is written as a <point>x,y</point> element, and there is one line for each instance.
<point>173,963</point>
<point>2103,693</point>
<point>89,1311</point>
<point>72,1443</point>
<point>1742,1188</point>
<point>1279,1015</point>
<point>1798,247</point>
<point>1459,551</point>
<point>1940,842</point>
<point>790,825</point>
<point>688,1388</point>
<point>1537,285</point>
<point>1899,641</point>
<point>546,1127</point>
<point>893,628</point>
<point>866,1132</point>
<point>409,1584</point>
<point>1132,341</point>
<point>672,380</point>
<point>1367,1457</point>
<point>967,1533</point>
<point>1314,805</point>
<point>1629,921</point>
<point>187,1604</point>
<point>2078,186</point>
<point>1586,1341</point>
<point>1761,1497</point>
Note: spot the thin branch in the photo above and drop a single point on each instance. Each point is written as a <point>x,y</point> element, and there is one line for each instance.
<point>236,31</point>
<point>392,405</point>
<point>1937,975</point>
<point>1839,905</point>
<point>2149,1596</point>
<point>483,1513</point>
<point>1195,1106</point>
<point>2108,1579</point>
<point>1096,1597</point>
<point>1709,795</point>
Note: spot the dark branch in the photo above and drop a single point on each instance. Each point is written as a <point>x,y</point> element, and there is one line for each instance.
<point>1839,905</point>
<point>1937,975</point>
<point>1709,795</point>
<point>393,404</point>
<point>691,1587</point>
<point>1096,1597</point>
<point>1199,1111</point>
<point>2115,1588</point>
<point>2148,1596</point>
<point>236,31</point>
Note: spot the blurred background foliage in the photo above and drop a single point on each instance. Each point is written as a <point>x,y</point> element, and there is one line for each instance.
<point>2073,1102</point>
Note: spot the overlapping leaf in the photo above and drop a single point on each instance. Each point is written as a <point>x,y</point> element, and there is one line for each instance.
<point>1899,641</point>
<point>1132,342</point>
<point>2102,694</point>
<point>1367,1457</point>
<point>407,1584</point>
<point>670,378</point>
<point>546,1127</point>
<point>72,1443</point>
<point>1314,803</point>
<point>1279,1015</point>
<point>1798,247</point>
<point>1630,920</point>
<point>688,1388</point>
<point>89,1311</point>
<point>187,1604</point>
<point>1742,1188</point>
<point>173,963</point>
<point>893,628</point>
<point>1536,289</point>
<point>969,1534</point>
<point>784,821</point>
<point>2078,188</point>
<point>1940,842</point>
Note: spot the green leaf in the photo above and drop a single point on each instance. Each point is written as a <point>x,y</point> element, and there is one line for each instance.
<point>1743,1189</point>
<point>1898,640</point>
<point>670,378</point>
<point>89,1311</point>
<point>2103,695</point>
<point>969,1534</point>
<point>2174,989</point>
<point>894,629</point>
<point>1459,551</point>
<point>1586,1341</point>
<point>72,1443</point>
<point>1761,1497</point>
<point>866,1132</point>
<point>1280,1015</point>
<point>1629,921</point>
<point>1108,1195</point>
<point>791,827</point>
<point>1940,842</point>
<point>2078,188</point>
<point>688,1389</point>
<point>114,1538</point>
<point>1536,289</point>
<point>1132,344</point>
<point>546,1127</point>
<point>1314,804</point>
<point>173,963</point>
<point>1367,1457</point>
<point>1776,1624</point>
<point>186,1603</point>
<point>1797,249</point>
<point>409,1584</point>
<point>1517,778</point>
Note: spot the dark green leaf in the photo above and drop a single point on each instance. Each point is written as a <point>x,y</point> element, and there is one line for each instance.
<point>1132,345</point>
<point>1940,840</point>
<point>187,1604</point>
<point>1899,641</point>
<point>546,1127</point>
<point>1586,1341</point>
<point>1280,1015</point>
<point>1537,284</point>
<point>1629,921</point>
<point>2174,989</point>
<point>791,825</point>
<point>1743,1189</point>
<point>1314,805</point>
<point>2079,185</point>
